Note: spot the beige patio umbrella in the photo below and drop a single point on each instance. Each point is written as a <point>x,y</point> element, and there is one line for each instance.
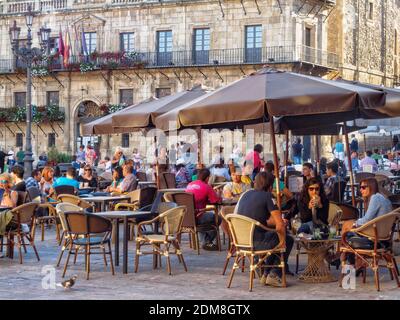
<point>299,100</point>
<point>103,125</point>
<point>143,116</point>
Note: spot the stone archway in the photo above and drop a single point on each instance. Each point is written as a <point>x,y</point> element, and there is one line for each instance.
<point>84,112</point>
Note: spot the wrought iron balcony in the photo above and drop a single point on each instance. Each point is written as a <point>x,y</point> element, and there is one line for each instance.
<point>10,7</point>
<point>179,59</point>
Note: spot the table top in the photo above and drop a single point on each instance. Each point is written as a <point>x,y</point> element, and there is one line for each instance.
<point>147,182</point>
<point>105,198</point>
<point>121,214</point>
<point>228,202</point>
<point>335,239</point>
<point>172,190</point>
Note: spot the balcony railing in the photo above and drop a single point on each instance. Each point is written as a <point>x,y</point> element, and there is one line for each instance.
<point>44,6</point>
<point>174,59</point>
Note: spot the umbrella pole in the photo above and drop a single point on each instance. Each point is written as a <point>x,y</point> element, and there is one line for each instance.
<point>286,155</point>
<point>317,152</point>
<point>365,143</point>
<point>157,165</point>
<point>276,163</point>
<point>346,137</point>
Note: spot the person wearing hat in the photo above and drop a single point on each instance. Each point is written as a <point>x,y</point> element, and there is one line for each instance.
<point>182,175</point>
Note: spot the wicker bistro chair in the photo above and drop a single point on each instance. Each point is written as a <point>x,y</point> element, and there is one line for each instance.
<point>171,222</point>
<point>189,221</point>
<point>334,218</point>
<point>34,195</point>
<point>141,176</point>
<point>225,210</point>
<point>169,179</point>
<point>242,231</point>
<point>65,189</point>
<point>61,208</point>
<point>23,214</point>
<point>139,198</point>
<point>371,249</point>
<point>91,232</point>
<point>69,198</point>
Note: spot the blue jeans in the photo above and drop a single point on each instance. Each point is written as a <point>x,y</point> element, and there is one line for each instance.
<point>271,240</point>
<point>297,159</point>
<point>208,236</point>
<point>306,227</point>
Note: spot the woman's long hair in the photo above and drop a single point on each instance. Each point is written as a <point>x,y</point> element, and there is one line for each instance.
<point>372,184</point>
<point>305,197</point>
<point>46,173</point>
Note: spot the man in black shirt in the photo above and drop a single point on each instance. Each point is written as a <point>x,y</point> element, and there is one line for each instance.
<point>259,205</point>
<point>17,172</point>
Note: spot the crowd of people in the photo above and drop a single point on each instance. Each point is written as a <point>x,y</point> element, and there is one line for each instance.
<point>252,183</point>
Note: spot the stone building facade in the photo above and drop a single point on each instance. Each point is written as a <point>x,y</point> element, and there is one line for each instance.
<point>180,44</point>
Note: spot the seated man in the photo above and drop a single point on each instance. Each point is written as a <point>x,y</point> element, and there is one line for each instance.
<point>235,188</point>
<point>257,204</point>
<point>331,170</point>
<point>308,171</point>
<point>17,173</point>
<point>34,179</point>
<point>204,194</point>
<point>68,180</point>
<point>128,184</point>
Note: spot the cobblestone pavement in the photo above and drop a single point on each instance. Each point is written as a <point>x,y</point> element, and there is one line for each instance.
<point>202,281</point>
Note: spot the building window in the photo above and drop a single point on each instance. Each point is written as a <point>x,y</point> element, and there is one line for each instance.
<point>51,140</point>
<point>125,140</point>
<point>53,44</point>
<point>307,37</point>
<point>163,92</point>
<point>90,41</point>
<point>164,48</point>
<point>126,41</point>
<point>19,140</point>
<point>20,99</point>
<point>253,43</point>
<point>201,46</point>
<point>370,10</point>
<point>126,96</point>
<point>53,98</point>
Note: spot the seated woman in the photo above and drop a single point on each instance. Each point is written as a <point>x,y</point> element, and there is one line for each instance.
<point>375,205</point>
<point>312,197</point>
<point>87,179</point>
<point>9,197</point>
<point>117,179</point>
<point>47,180</point>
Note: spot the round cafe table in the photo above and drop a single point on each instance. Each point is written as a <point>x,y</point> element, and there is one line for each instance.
<point>317,270</point>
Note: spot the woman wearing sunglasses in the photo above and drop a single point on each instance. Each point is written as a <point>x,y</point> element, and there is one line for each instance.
<point>375,203</point>
<point>87,179</point>
<point>312,197</point>
<point>9,197</point>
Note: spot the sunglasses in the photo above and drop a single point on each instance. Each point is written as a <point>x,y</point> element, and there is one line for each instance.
<point>88,169</point>
<point>363,187</point>
<point>313,189</point>
<point>3,181</point>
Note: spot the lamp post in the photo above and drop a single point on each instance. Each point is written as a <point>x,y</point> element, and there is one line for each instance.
<point>28,54</point>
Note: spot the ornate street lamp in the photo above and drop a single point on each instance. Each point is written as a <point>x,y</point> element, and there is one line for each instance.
<point>27,55</point>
